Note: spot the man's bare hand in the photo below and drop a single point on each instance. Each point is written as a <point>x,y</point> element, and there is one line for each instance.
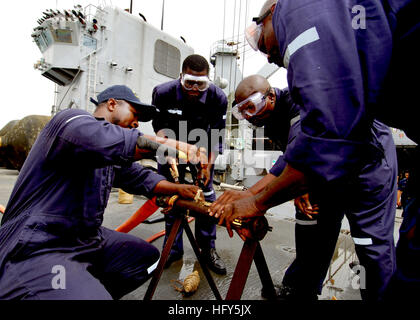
<point>202,156</point>
<point>192,153</point>
<point>187,191</point>
<point>304,205</point>
<point>227,197</point>
<point>243,208</point>
<point>206,173</point>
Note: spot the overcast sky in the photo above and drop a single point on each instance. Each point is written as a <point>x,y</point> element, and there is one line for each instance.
<point>201,22</point>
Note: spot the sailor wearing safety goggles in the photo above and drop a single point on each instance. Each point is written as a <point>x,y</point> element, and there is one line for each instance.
<point>262,105</point>
<point>364,197</point>
<point>186,104</point>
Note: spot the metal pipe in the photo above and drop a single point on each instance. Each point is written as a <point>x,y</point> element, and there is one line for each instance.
<point>257,226</point>
<point>230,186</point>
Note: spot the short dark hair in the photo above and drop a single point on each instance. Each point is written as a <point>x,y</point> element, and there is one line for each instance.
<point>195,62</point>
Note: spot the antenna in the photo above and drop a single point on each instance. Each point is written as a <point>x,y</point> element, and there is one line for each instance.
<point>131,6</point>
<point>163,13</point>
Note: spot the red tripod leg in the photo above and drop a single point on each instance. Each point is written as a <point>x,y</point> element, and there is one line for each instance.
<point>163,258</point>
<point>242,270</point>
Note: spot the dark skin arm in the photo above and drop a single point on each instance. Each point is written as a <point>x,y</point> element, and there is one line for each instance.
<point>164,186</point>
<point>186,191</point>
<point>301,202</point>
<point>207,165</point>
<point>232,195</point>
<point>195,155</point>
<point>399,193</point>
<point>187,151</point>
<point>289,185</point>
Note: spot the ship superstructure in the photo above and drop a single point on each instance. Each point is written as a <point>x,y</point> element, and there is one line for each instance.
<point>86,50</point>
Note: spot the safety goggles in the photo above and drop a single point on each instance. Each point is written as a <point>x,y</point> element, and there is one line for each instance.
<point>250,106</point>
<point>189,81</point>
<point>254,30</point>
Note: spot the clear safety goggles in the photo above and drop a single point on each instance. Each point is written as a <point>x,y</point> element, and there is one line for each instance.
<point>254,30</point>
<point>253,35</point>
<point>250,106</point>
<point>189,81</point>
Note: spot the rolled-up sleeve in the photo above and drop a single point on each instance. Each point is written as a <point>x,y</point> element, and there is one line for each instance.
<point>330,68</point>
<point>278,167</point>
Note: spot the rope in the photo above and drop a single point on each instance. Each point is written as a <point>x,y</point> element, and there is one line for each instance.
<point>233,34</point>
<point>245,42</point>
<point>237,42</point>
<point>224,23</point>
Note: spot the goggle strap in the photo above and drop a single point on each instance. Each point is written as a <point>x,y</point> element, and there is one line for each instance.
<point>258,20</point>
<point>187,77</point>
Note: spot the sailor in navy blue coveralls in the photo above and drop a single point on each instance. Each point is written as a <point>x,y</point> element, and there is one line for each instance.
<point>336,72</point>
<point>181,116</point>
<point>53,218</point>
<point>281,122</point>
<point>316,238</point>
